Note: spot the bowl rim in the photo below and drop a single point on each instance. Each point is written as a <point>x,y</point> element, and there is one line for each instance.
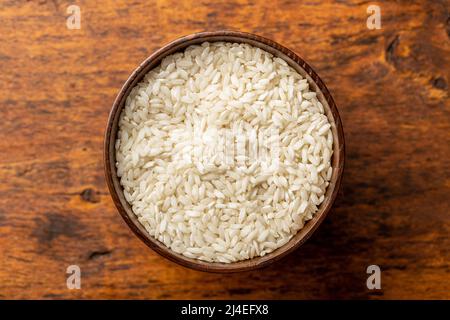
<point>338,157</point>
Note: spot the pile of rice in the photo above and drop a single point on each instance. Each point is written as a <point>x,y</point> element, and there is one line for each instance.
<point>217,210</point>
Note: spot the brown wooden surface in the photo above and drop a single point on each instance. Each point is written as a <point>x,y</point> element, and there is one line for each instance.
<point>391,87</point>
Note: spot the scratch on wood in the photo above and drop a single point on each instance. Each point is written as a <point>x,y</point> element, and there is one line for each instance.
<point>390,49</point>
<point>89,195</point>
<point>99,254</point>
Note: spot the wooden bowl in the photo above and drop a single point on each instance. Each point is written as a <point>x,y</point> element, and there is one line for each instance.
<point>277,50</point>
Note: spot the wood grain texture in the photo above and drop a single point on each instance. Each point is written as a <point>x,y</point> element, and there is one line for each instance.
<point>391,87</point>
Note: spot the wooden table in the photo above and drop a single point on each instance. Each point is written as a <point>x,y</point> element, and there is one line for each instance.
<point>391,87</point>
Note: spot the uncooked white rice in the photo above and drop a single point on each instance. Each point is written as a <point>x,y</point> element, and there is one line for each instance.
<point>217,210</point>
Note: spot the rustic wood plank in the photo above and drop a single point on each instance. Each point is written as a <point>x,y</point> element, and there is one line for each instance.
<point>391,87</point>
